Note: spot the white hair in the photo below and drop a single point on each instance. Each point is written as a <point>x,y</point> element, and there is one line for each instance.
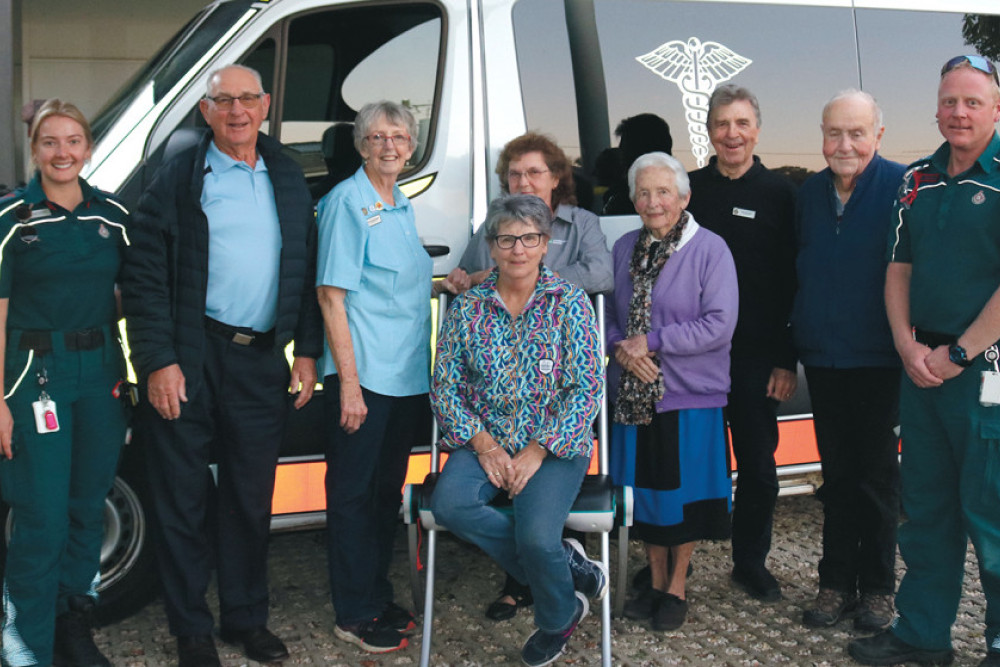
<point>854,93</point>
<point>659,159</point>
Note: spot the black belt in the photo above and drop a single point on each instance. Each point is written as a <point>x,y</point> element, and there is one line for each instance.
<point>74,341</point>
<point>932,338</point>
<point>240,335</point>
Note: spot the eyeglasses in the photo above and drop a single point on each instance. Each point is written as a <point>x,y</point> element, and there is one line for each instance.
<point>247,100</point>
<point>977,62</point>
<point>379,139</point>
<point>507,241</point>
<point>531,174</point>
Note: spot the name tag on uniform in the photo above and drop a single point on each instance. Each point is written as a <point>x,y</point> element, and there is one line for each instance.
<point>39,213</point>
<point>557,241</point>
<point>374,220</point>
<point>744,213</point>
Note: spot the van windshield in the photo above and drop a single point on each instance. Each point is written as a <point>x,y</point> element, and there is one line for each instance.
<point>173,61</point>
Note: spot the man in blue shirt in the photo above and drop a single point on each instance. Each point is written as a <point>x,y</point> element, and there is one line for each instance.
<point>842,337</point>
<point>218,281</point>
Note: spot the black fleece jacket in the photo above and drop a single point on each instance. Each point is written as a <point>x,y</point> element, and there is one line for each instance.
<point>165,277</point>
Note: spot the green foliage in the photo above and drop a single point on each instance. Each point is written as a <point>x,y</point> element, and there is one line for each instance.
<point>982,32</point>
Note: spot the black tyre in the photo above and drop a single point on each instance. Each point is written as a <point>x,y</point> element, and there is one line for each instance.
<point>128,568</point>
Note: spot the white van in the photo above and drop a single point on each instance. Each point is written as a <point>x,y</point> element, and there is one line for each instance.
<point>477,73</point>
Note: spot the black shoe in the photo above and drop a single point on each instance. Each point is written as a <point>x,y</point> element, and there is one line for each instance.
<point>757,583</point>
<point>398,618</point>
<point>198,651</point>
<point>74,645</point>
<point>259,644</point>
<point>992,659</point>
<point>831,607</point>
<point>643,605</point>
<point>886,648</point>
<point>520,593</point>
<point>373,636</point>
<point>670,613</point>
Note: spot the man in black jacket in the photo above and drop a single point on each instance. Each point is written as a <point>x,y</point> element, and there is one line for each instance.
<point>753,209</point>
<point>219,279</point>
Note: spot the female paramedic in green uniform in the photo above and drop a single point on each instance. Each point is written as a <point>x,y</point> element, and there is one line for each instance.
<point>61,423</point>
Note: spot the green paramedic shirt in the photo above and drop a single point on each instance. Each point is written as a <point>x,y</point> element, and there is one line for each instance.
<point>948,228</point>
<point>57,267</point>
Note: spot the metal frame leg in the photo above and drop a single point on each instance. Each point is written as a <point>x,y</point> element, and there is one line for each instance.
<point>425,644</point>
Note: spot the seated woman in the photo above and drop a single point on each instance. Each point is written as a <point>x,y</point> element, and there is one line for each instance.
<point>578,251</point>
<point>669,325</point>
<point>517,382</point>
<point>533,164</point>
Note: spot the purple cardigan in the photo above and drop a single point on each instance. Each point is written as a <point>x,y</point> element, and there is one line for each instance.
<point>695,304</point>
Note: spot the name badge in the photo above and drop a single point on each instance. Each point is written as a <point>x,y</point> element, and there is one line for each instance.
<point>39,213</point>
<point>374,220</point>
<point>545,366</point>
<point>744,213</point>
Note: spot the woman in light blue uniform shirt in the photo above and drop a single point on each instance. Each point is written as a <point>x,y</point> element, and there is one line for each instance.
<point>374,284</point>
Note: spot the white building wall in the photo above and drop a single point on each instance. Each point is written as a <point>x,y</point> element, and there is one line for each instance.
<point>83,51</point>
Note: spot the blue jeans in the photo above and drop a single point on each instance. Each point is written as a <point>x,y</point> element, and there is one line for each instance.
<point>527,542</point>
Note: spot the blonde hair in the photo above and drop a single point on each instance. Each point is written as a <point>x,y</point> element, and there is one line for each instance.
<point>56,107</point>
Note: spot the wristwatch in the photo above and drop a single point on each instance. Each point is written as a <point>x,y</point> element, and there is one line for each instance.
<point>957,355</point>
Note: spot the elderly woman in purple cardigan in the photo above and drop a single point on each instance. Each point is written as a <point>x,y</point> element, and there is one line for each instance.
<point>669,326</point>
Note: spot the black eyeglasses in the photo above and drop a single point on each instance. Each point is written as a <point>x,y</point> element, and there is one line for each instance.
<point>978,62</point>
<point>247,100</point>
<point>507,241</point>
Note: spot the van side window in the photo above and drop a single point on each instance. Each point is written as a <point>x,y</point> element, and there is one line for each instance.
<point>338,60</point>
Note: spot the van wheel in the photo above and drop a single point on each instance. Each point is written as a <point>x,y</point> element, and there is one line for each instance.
<point>128,567</point>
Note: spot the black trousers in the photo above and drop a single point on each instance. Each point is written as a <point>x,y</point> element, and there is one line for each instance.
<point>365,471</point>
<point>237,417</point>
<point>753,421</point>
<point>854,412</point>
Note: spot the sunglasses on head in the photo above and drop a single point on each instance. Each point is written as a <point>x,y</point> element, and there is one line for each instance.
<point>977,62</point>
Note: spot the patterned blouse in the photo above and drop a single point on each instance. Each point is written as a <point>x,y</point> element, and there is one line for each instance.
<point>538,376</point>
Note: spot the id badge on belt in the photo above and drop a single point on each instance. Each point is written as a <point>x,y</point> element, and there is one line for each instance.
<point>989,383</point>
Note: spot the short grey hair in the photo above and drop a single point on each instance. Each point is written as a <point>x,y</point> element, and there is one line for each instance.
<point>528,209</point>
<point>216,73</point>
<point>854,93</point>
<point>658,159</point>
<point>393,113</point>
<point>729,93</point>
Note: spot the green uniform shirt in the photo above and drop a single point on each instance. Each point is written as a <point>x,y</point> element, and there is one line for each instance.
<point>948,228</point>
<point>58,267</point>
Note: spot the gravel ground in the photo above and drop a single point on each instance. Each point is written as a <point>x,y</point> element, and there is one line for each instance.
<point>724,626</point>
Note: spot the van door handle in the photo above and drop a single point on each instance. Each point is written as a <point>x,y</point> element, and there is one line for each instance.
<point>437,250</point>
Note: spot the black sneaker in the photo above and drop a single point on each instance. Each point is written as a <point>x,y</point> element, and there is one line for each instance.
<point>992,659</point>
<point>542,648</point>
<point>373,636</point>
<point>74,644</point>
<point>831,606</point>
<point>590,577</point>
<point>670,613</point>
<point>875,612</point>
<point>886,648</point>
<point>758,583</point>
<point>398,618</point>
<point>643,605</point>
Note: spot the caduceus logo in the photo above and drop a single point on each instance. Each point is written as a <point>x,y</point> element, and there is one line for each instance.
<point>697,68</point>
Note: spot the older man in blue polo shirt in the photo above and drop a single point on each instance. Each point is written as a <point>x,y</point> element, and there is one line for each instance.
<point>218,281</point>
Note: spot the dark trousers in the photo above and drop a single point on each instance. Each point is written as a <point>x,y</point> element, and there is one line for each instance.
<point>753,421</point>
<point>854,413</point>
<point>237,415</point>
<point>365,471</point>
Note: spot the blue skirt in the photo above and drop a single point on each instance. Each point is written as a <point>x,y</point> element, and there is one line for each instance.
<point>679,471</point>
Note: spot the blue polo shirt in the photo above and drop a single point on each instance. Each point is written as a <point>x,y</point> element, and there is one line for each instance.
<point>244,242</point>
<point>372,251</point>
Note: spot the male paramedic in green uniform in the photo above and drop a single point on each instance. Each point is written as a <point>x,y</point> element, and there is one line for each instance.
<point>943,303</point>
